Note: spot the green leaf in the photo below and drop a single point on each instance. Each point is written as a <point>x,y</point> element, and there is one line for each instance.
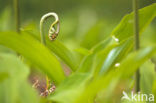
<point>35,52</point>
<point>63,53</point>
<point>83,51</point>
<point>125,70</point>
<point>27,94</point>
<point>6,50</point>
<point>101,58</point>
<point>60,50</point>
<point>70,88</point>
<point>147,73</point>
<point>100,46</point>
<point>11,65</point>
<point>12,88</point>
<point>125,28</point>
<point>115,55</point>
<point>87,64</point>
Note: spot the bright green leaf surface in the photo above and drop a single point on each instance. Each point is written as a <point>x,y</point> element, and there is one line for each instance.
<point>125,28</point>
<point>125,70</point>
<point>87,64</point>
<point>70,88</point>
<point>83,51</point>
<point>60,50</point>
<point>15,87</point>
<point>115,55</point>
<point>148,74</point>
<point>34,52</point>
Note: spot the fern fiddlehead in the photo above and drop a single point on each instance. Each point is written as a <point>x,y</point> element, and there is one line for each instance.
<point>53,31</point>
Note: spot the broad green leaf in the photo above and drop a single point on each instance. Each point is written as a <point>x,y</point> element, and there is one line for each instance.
<point>125,70</point>
<point>35,52</point>
<point>83,51</point>
<point>125,28</point>
<point>87,64</point>
<point>115,55</point>
<point>27,94</point>
<point>13,87</point>
<point>147,74</point>
<point>63,53</point>
<point>70,88</point>
<point>137,59</point>
<point>120,34</point>
<point>11,65</point>
<point>102,56</point>
<point>6,50</point>
<point>60,50</point>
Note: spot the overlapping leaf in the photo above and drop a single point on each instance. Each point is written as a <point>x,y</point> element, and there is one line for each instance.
<point>60,50</point>
<point>125,70</point>
<point>34,52</point>
<point>115,55</point>
<point>148,74</point>
<point>125,28</point>
<point>15,87</point>
<point>71,88</point>
<point>63,52</point>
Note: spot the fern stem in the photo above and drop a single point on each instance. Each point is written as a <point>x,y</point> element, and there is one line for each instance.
<point>43,38</point>
<point>136,39</point>
<point>17,15</point>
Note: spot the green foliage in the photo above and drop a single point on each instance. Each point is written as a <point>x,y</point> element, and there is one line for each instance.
<point>59,50</point>
<point>63,52</point>
<point>72,86</point>
<point>115,55</point>
<point>15,86</point>
<point>146,15</point>
<point>147,77</point>
<point>96,70</point>
<point>5,19</point>
<point>103,82</point>
<point>34,52</point>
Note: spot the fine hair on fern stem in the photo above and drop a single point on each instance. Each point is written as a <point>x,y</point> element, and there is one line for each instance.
<point>53,32</point>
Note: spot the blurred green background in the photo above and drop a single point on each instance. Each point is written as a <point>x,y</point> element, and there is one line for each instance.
<point>80,19</point>
<point>84,23</point>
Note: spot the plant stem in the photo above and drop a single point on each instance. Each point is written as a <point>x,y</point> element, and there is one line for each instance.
<point>17,15</point>
<point>43,38</point>
<point>43,41</point>
<point>136,39</point>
